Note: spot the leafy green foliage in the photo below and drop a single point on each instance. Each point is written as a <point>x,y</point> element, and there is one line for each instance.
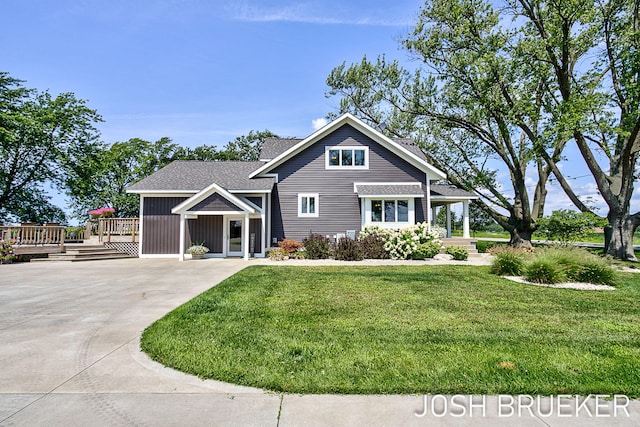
<point>426,250</point>
<point>544,270</point>
<point>555,265</point>
<point>508,262</point>
<point>490,96</point>
<point>41,138</point>
<point>569,226</point>
<point>459,253</point>
<point>101,178</point>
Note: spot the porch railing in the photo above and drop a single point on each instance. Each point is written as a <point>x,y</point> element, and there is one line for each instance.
<point>120,227</point>
<point>33,235</point>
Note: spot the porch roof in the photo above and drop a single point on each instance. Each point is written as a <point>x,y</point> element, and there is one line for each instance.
<point>450,191</point>
<point>389,189</point>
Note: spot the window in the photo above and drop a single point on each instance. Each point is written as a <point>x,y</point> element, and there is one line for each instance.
<point>347,157</point>
<point>308,205</point>
<point>390,211</point>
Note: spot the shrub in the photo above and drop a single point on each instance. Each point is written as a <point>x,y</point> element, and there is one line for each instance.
<point>278,254</point>
<point>372,246</point>
<point>508,262</point>
<point>596,271</point>
<point>317,246</point>
<point>401,243</point>
<point>348,250</point>
<point>458,252</point>
<point>544,270</point>
<point>289,245</point>
<point>426,250</point>
<point>440,231</point>
<point>6,250</point>
<point>484,246</point>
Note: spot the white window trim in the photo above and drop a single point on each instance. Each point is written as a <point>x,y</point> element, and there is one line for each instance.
<point>411,219</point>
<point>346,147</point>
<point>316,196</point>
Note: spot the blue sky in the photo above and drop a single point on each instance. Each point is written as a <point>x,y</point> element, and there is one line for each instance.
<point>205,72</point>
<point>199,72</point>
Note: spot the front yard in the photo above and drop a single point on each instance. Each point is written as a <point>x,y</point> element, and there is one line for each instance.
<point>399,330</point>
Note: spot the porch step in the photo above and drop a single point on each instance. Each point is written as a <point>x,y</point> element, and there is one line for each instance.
<point>469,244</point>
<point>85,253</point>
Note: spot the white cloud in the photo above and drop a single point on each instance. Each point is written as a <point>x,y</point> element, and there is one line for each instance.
<point>310,13</point>
<point>319,123</point>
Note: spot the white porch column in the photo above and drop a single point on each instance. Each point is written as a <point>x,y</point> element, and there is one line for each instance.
<point>182,236</point>
<point>465,220</point>
<point>448,208</point>
<point>429,213</point>
<point>245,237</point>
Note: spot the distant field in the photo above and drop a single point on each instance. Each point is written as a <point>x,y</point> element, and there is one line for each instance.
<point>591,238</point>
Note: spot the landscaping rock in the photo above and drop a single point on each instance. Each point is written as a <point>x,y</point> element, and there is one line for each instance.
<point>443,257</point>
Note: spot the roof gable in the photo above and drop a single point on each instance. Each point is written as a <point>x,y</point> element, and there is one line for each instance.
<point>194,202</point>
<point>398,148</point>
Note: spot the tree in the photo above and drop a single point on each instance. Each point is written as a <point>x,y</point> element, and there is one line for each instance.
<point>506,85</point>
<point>101,179</point>
<point>40,137</point>
<point>473,106</point>
<point>247,147</point>
<point>568,226</point>
<point>593,51</point>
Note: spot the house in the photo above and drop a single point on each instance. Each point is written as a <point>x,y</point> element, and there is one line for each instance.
<point>343,177</point>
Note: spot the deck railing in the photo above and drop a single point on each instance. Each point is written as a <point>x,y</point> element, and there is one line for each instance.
<point>121,227</point>
<point>33,235</point>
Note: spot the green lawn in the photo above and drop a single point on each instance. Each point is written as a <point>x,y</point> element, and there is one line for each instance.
<point>418,329</point>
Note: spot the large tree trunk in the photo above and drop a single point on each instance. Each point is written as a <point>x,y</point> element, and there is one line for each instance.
<point>619,236</point>
<point>520,238</point>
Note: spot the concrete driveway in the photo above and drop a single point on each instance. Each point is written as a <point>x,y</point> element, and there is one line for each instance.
<point>69,355</point>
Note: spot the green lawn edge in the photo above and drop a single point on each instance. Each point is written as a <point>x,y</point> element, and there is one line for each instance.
<point>404,330</point>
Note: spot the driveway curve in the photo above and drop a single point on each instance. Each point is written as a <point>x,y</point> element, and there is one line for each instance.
<point>69,355</point>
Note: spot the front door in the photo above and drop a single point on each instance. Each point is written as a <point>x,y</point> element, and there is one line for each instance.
<point>234,237</point>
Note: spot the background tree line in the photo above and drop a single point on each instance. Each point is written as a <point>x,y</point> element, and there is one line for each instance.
<point>48,141</point>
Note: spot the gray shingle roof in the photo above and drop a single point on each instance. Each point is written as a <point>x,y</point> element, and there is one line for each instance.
<point>411,146</point>
<point>190,175</point>
<point>273,147</point>
<point>449,190</point>
<point>390,189</point>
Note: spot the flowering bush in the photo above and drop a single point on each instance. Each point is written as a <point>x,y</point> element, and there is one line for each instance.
<point>6,250</point>
<point>401,243</point>
<point>197,249</point>
<point>103,212</point>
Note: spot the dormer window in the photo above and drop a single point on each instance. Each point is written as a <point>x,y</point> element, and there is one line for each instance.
<point>342,157</point>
